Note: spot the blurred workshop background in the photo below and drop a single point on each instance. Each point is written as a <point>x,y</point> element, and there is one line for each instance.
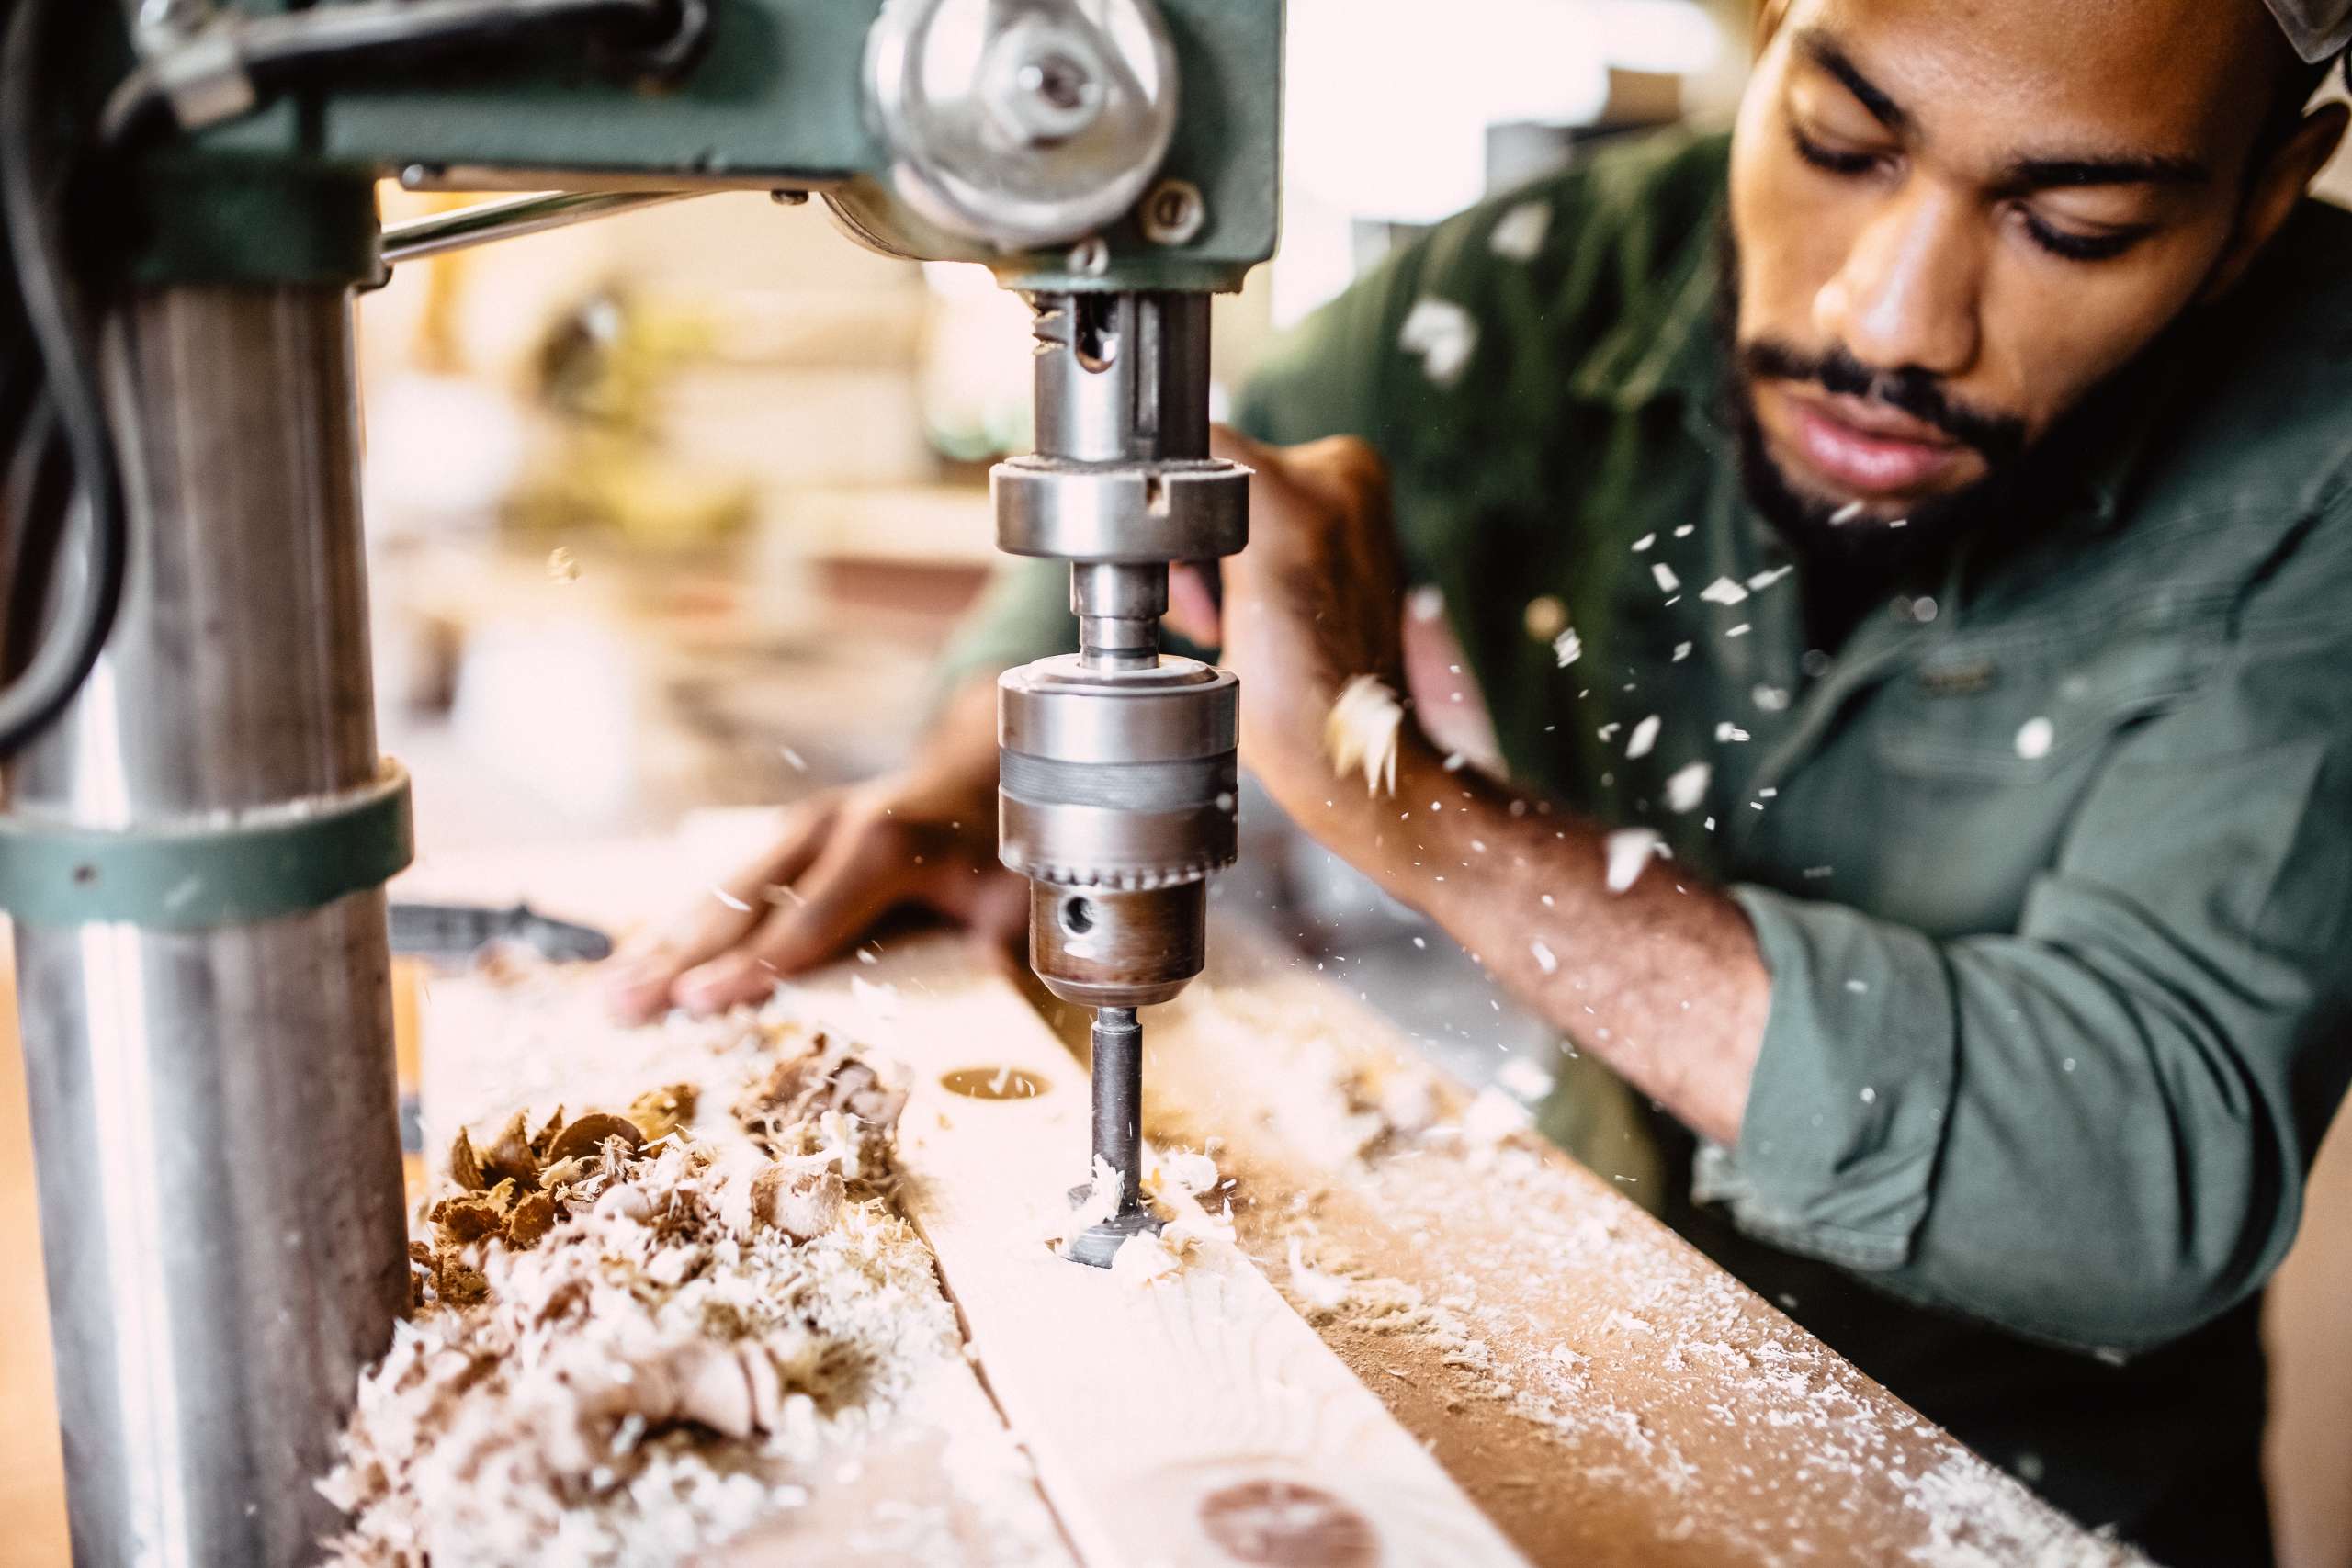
<point>672,511</point>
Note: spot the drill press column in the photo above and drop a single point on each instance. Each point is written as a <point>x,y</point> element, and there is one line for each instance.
<point>1116,764</point>
<point>214,1107</point>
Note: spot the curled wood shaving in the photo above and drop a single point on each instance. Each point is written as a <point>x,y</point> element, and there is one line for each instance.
<point>464,1169</point>
<point>662,1112</point>
<point>509,1157</point>
<point>590,1133</point>
<point>804,1204</point>
<point>820,1103</point>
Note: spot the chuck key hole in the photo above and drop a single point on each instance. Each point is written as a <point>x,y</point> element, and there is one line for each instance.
<point>1078,915</point>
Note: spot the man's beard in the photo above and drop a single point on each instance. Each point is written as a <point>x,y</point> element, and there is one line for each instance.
<point>1865,545</point>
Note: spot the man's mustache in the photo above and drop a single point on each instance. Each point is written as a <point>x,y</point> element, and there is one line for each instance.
<point>1918,393</point>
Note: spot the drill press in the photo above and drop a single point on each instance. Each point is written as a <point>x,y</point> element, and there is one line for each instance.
<point>1116,766</point>
<point>198,826</point>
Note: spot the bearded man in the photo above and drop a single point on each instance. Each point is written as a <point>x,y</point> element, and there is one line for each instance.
<point>1929,512</point>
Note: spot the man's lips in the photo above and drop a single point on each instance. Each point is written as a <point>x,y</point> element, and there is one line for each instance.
<point>1869,449</point>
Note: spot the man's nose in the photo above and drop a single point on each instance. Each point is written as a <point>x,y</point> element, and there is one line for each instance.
<point>1910,291</point>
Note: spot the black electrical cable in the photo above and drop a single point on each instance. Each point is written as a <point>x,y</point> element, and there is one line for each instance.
<point>33,212</point>
<point>59,410</point>
<point>37,484</point>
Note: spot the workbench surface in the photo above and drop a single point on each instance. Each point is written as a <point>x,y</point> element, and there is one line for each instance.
<point>1604,1392</point>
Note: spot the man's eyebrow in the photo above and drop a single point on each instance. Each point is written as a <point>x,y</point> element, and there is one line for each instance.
<point>2058,174</point>
<point>1823,51</point>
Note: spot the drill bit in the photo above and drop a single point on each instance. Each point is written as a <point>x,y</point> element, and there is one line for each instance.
<point>1118,1134</point>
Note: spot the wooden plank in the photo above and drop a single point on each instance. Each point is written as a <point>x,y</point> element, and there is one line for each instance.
<point>1195,1421</point>
<point>1608,1393</point>
<point>1720,1433</point>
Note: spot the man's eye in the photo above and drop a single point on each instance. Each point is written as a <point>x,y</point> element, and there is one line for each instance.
<point>1832,160</point>
<point>2074,246</point>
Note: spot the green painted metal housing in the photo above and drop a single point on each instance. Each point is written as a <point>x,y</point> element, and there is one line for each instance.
<point>775,100</point>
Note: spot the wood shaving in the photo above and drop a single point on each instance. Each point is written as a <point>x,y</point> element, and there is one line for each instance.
<point>1059,1226</point>
<point>1177,1171</point>
<point>820,1103</point>
<point>1360,733</point>
<point>586,1136</point>
<point>509,1157</point>
<point>1145,1260</point>
<point>662,1112</point>
<point>804,1204</point>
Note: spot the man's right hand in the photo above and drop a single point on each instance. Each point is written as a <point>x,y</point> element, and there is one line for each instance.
<point>925,837</point>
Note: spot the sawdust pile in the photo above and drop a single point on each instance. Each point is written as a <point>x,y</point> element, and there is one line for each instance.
<point>624,1344</point>
<point>1668,1317</point>
<point>1531,1307</point>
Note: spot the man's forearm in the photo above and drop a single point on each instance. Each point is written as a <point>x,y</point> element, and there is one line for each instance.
<point>1662,981</point>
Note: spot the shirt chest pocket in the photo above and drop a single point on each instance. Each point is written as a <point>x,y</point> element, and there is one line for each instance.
<point>1979,755</point>
<point>2032,711</point>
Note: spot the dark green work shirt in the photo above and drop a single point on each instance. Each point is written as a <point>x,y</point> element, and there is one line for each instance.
<point>2049,856</point>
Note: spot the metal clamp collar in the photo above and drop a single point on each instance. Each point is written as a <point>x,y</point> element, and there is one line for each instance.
<point>229,868</point>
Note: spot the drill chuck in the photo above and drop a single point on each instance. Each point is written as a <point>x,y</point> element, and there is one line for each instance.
<point>1116,797</point>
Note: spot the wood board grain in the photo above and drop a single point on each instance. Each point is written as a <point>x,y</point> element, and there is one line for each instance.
<point>1195,1422</point>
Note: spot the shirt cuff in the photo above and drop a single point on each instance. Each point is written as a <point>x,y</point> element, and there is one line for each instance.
<point>1846,1108</point>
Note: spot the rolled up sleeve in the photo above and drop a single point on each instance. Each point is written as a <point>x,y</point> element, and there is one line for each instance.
<point>2095,1129</point>
<point>1846,1112</point>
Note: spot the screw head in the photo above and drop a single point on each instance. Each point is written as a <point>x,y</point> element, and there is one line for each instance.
<point>1172,213</point>
<point>1044,84</point>
<point>1060,81</point>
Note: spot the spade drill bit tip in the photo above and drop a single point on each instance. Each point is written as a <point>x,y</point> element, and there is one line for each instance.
<point>1117,1076</point>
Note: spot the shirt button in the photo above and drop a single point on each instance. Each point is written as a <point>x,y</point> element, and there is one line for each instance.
<point>1922,609</point>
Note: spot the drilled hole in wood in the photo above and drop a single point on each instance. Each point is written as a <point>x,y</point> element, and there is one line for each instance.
<point>1283,1524</point>
<point>1007,1082</point>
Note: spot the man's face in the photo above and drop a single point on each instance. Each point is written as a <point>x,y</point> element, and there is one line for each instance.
<point>1954,218</point>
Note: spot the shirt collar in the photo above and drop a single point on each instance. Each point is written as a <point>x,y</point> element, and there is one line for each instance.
<point>2116,439</point>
